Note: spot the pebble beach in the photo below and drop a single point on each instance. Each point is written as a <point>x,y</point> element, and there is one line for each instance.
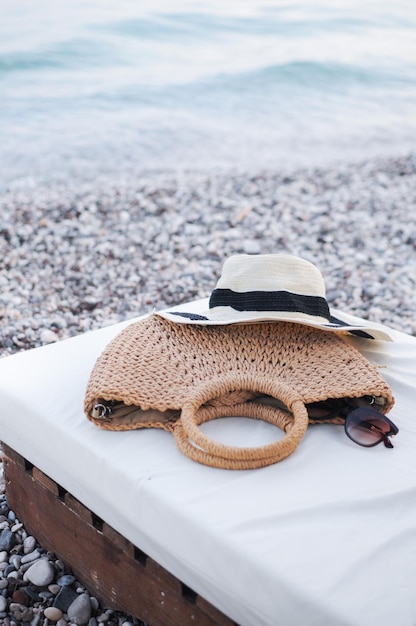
<point>77,255</point>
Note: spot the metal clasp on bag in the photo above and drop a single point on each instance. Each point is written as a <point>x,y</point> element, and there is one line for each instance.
<point>102,410</point>
<point>375,401</point>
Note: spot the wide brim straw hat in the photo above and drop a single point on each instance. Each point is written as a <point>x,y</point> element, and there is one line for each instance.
<point>272,287</point>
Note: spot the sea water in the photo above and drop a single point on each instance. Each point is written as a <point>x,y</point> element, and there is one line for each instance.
<point>93,87</point>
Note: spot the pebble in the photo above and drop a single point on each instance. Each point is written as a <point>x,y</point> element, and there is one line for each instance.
<point>15,560</point>
<point>251,246</point>
<point>64,598</point>
<point>41,573</point>
<point>52,613</point>
<point>29,544</point>
<point>21,597</point>
<point>7,539</point>
<point>79,612</point>
<point>31,556</point>
<point>66,580</point>
<point>32,594</point>
<point>47,336</point>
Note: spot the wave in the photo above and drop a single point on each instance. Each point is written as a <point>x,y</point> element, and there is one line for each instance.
<point>217,81</point>
<point>65,55</point>
<point>275,21</point>
<point>322,75</point>
<point>267,86</point>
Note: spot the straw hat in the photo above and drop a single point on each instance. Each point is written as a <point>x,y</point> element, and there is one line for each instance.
<point>271,287</point>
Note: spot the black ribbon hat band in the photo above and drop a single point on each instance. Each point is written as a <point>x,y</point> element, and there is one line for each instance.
<point>270,301</point>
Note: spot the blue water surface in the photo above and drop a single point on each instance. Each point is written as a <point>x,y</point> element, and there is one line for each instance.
<point>92,87</point>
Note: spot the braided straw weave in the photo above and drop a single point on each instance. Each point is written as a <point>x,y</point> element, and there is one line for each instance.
<point>179,376</point>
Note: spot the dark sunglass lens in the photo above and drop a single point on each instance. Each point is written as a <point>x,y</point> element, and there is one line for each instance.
<point>367,426</point>
<point>322,410</point>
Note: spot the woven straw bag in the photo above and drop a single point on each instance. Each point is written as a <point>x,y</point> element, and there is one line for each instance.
<point>163,375</point>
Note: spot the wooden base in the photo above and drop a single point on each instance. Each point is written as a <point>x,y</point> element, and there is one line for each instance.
<point>98,555</point>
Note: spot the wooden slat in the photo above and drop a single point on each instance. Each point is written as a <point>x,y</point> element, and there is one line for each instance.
<point>45,481</point>
<point>217,616</point>
<point>165,579</point>
<point>13,455</point>
<point>77,507</point>
<point>118,540</point>
<point>101,559</point>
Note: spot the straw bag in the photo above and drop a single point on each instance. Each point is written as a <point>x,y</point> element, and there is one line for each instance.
<point>157,374</point>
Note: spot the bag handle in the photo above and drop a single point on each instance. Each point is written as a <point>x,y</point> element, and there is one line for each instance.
<point>197,446</point>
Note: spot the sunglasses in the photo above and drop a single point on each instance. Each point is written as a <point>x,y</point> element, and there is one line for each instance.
<point>363,425</point>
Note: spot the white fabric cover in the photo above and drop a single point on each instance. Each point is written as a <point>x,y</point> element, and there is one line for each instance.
<point>326,537</point>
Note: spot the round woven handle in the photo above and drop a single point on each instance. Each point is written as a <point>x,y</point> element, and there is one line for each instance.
<point>196,445</point>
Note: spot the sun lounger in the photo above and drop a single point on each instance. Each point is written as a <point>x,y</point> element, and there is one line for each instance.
<point>327,536</point>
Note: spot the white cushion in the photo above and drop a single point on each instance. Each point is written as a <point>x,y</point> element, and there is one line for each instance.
<point>327,536</point>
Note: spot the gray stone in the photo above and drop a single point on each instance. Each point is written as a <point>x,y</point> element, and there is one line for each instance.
<point>252,246</point>
<point>10,568</point>
<point>41,573</point>
<point>27,615</point>
<point>7,539</point>
<point>66,579</point>
<point>32,594</point>
<point>31,556</point>
<point>94,603</point>
<point>79,612</point>
<point>65,598</point>
<point>48,336</point>
<point>29,544</point>
<point>16,560</point>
